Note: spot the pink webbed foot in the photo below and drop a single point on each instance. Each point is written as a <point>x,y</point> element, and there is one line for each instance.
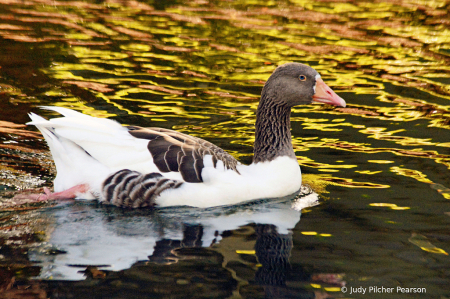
<point>48,195</point>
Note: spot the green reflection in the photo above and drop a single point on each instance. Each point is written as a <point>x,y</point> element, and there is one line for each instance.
<point>200,68</point>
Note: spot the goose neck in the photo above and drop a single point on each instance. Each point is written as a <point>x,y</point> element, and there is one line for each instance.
<point>272,131</point>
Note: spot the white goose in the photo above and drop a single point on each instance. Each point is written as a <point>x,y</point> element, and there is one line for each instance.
<point>143,167</point>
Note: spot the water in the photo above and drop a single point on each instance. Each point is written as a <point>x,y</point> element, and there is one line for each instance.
<point>380,165</point>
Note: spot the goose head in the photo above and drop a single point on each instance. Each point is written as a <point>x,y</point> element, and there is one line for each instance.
<point>293,84</point>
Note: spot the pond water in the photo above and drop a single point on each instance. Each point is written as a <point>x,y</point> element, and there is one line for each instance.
<point>377,219</point>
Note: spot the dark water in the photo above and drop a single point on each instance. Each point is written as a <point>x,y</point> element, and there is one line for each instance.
<point>380,165</point>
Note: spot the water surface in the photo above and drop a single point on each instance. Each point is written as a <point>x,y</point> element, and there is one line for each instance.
<point>380,165</point>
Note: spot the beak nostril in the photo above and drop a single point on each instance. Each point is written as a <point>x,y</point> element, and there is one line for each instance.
<point>324,94</point>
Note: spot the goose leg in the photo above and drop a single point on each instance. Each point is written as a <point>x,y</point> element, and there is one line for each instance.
<point>48,195</point>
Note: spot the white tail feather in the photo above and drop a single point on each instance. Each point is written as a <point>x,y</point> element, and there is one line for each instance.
<point>87,149</point>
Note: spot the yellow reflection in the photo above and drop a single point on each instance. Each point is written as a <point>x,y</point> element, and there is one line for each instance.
<point>101,28</point>
<point>316,182</point>
<point>403,140</point>
<point>322,166</point>
<point>389,205</point>
<point>251,252</point>
<point>309,233</point>
<point>81,107</point>
<point>422,242</point>
<point>400,208</point>
<point>158,67</point>
<point>98,60</point>
<point>415,174</point>
<point>368,171</point>
<point>78,36</point>
<point>332,289</point>
<point>363,148</point>
<point>85,52</point>
<point>440,188</point>
<point>349,183</point>
<point>323,127</point>
<point>419,176</point>
<point>325,235</point>
<point>55,93</point>
<point>192,64</point>
<point>136,47</point>
<point>380,161</point>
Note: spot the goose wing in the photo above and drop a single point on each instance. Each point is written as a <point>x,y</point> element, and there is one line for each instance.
<point>175,151</point>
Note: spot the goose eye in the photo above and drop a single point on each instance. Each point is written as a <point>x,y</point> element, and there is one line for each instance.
<point>302,77</point>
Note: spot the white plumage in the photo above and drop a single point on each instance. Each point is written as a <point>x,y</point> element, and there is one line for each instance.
<point>112,148</point>
<point>141,167</point>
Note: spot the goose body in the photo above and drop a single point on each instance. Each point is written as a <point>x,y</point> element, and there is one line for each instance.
<point>140,167</point>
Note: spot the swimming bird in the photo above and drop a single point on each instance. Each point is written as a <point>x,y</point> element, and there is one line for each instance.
<point>131,166</point>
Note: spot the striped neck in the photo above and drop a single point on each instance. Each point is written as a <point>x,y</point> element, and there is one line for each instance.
<point>272,131</point>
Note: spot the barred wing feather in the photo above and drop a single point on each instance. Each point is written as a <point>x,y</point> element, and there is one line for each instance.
<point>175,151</point>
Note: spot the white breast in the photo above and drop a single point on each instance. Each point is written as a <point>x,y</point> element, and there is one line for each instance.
<point>276,178</point>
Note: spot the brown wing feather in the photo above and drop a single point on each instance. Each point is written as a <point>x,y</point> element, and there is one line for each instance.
<point>174,151</point>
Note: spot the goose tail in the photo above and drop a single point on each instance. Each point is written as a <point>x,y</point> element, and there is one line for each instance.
<point>74,165</point>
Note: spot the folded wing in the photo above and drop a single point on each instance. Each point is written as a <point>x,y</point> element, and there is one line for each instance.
<point>174,151</point>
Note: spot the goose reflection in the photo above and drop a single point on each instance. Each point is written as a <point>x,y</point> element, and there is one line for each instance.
<point>91,239</point>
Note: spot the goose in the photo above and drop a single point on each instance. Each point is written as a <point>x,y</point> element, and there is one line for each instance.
<point>135,167</point>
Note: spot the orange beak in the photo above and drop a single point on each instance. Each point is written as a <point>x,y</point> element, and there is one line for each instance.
<point>324,94</point>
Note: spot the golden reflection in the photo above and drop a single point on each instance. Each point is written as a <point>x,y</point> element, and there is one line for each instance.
<point>380,161</point>
<point>206,64</point>
<point>199,66</point>
<point>332,289</point>
<point>136,47</point>
<point>325,235</point>
<point>309,233</point>
<point>419,176</point>
<point>415,174</point>
<point>389,205</point>
<point>85,109</point>
<point>368,171</point>
<point>354,147</point>
<point>422,242</point>
<point>90,85</point>
<point>316,182</point>
<point>349,183</point>
<point>251,252</point>
<point>308,162</point>
<point>444,191</point>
